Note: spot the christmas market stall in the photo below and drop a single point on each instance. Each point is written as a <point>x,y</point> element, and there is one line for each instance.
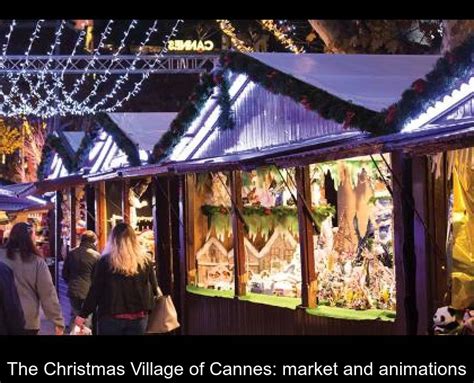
<point>290,219</point>
<point>435,118</point>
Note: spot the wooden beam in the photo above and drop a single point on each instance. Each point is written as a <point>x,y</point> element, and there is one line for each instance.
<point>126,200</point>
<point>90,207</point>
<point>238,231</point>
<point>422,239</point>
<point>73,223</point>
<point>308,271</point>
<point>163,248</point>
<point>405,260</point>
<point>101,215</point>
<point>57,234</point>
<point>183,266</point>
<point>189,190</point>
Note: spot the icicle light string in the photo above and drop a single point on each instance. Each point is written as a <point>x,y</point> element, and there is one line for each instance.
<point>281,36</point>
<point>227,27</point>
<point>124,77</point>
<point>137,87</point>
<point>96,53</point>
<point>14,89</point>
<point>7,38</point>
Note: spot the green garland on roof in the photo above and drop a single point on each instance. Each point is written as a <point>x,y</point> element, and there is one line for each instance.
<point>54,143</point>
<point>328,106</point>
<point>120,138</point>
<point>185,117</point>
<point>448,74</point>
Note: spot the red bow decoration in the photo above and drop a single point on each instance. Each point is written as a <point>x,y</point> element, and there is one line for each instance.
<point>305,102</point>
<point>218,78</point>
<point>267,211</point>
<point>272,74</point>
<point>223,210</point>
<point>391,114</point>
<point>419,86</point>
<point>347,121</point>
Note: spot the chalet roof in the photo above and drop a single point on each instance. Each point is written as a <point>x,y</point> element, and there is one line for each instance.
<point>144,129</point>
<point>74,139</point>
<point>372,81</point>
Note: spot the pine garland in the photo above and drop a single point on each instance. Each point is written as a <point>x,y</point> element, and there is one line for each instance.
<point>182,122</point>
<point>54,143</point>
<point>450,71</point>
<point>120,138</point>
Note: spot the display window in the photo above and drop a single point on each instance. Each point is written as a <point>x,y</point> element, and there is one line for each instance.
<point>211,220</point>
<point>353,251</point>
<point>113,203</point>
<point>140,197</point>
<point>273,262</point>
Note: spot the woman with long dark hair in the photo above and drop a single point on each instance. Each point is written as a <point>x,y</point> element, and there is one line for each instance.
<point>123,287</point>
<point>32,278</point>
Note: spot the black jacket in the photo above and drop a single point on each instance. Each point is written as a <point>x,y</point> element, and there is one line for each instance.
<point>78,269</point>
<point>114,293</point>
<point>12,321</point>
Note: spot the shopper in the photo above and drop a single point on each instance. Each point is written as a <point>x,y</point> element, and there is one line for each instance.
<point>78,270</point>
<point>12,320</point>
<point>123,287</point>
<point>33,280</point>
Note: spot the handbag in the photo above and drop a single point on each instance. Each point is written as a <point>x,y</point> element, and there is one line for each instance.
<point>163,318</point>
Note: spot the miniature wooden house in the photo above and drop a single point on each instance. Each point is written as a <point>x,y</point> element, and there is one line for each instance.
<point>278,251</point>
<point>211,259</point>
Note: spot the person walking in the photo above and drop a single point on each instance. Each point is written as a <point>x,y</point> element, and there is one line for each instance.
<point>123,287</point>
<point>33,280</point>
<point>77,272</point>
<point>12,320</point>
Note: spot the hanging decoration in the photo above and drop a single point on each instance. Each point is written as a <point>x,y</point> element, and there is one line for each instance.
<point>263,220</point>
<point>227,28</point>
<point>226,119</point>
<point>281,36</point>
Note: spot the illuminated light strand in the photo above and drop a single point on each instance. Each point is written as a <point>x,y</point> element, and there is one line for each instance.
<point>227,27</point>
<point>14,90</point>
<point>281,36</point>
<point>137,87</point>
<point>78,83</point>
<point>103,78</point>
<point>7,37</point>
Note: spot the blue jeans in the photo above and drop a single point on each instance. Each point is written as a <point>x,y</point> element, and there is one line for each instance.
<point>113,326</point>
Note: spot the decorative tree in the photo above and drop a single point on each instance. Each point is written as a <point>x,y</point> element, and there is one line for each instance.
<point>10,140</point>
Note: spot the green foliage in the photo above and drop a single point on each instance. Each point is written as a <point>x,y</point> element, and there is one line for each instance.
<point>54,144</point>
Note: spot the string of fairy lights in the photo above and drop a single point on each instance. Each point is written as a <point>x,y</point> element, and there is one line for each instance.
<point>46,93</point>
<point>276,28</point>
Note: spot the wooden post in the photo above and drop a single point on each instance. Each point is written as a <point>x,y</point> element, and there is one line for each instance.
<point>163,248</point>
<point>183,266</point>
<point>90,207</point>
<point>126,201</point>
<point>308,271</point>
<point>189,189</point>
<point>240,272</point>
<point>57,234</point>
<point>72,207</point>
<point>422,245</point>
<point>404,248</point>
<point>101,215</point>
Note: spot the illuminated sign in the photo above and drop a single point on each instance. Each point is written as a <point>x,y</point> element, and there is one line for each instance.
<point>190,45</point>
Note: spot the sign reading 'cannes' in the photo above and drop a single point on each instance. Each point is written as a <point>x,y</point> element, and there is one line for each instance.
<point>190,45</point>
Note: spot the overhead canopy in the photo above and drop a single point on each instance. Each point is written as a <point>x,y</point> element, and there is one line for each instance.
<point>11,203</point>
<point>372,81</point>
<point>145,129</point>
